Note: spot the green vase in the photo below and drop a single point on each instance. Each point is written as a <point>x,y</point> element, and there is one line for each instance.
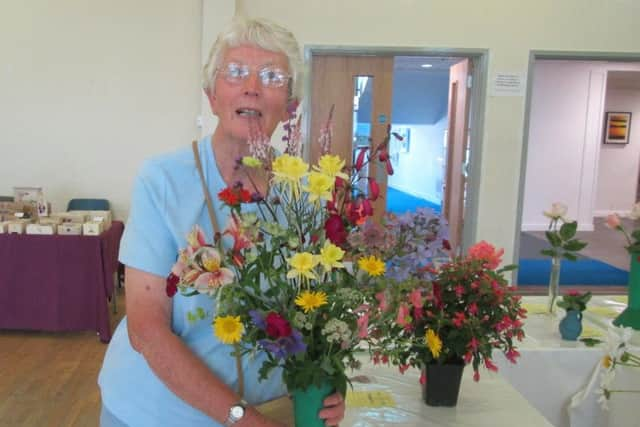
<point>631,315</point>
<point>307,403</point>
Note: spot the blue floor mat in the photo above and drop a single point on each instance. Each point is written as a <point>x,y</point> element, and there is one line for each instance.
<point>400,202</point>
<point>582,272</point>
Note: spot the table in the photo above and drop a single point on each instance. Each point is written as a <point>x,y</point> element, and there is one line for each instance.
<point>492,402</point>
<point>561,378</point>
<point>58,283</point>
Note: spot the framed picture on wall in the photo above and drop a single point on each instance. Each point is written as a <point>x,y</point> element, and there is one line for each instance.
<point>400,139</point>
<point>616,129</point>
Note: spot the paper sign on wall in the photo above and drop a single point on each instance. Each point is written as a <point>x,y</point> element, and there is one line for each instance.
<point>508,84</point>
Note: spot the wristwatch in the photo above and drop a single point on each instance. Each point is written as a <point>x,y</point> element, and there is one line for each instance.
<point>236,412</point>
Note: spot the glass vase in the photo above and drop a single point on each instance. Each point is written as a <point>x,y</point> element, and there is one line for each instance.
<point>554,284</point>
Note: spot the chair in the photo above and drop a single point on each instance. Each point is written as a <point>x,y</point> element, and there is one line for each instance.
<point>88,205</point>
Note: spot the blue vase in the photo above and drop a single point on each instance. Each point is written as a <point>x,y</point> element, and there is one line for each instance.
<point>571,325</point>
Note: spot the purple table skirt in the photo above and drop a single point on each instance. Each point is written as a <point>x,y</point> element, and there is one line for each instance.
<point>58,283</point>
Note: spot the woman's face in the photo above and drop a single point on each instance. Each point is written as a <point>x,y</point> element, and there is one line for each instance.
<point>240,101</point>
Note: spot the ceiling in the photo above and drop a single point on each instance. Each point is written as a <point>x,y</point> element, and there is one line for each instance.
<point>414,63</point>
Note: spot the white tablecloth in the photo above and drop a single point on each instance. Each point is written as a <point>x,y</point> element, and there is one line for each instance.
<point>491,402</point>
<point>561,378</point>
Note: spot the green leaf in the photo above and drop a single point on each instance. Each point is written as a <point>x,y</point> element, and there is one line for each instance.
<point>570,256</point>
<point>568,230</point>
<point>553,238</point>
<point>549,252</point>
<point>636,234</point>
<point>574,245</point>
<point>590,342</point>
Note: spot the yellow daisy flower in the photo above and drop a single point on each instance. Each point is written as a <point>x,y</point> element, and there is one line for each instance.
<point>320,186</point>
<point>434,343</point>
<point>607,362</point>
<point>302,265</point>
<point>310,300</point>
<point>289,170</point>
<point>372,265</point>
<point>330,256</point>
<point>228,329</point>
<point>332,166</point>
<point>251,162</point>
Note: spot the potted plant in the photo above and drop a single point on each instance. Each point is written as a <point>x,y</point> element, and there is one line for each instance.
<point>631,315</point>
<point>574,302</point>
<point>460,316</point>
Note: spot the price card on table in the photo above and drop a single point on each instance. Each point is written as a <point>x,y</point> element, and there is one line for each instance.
<point>370,399</point>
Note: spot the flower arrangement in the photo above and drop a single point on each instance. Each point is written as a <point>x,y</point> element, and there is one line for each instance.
<point>613,221</point>
<point>464,312</point>
<point>278,271</point>
<point>575,300</point>
<point>618,354</point>
<point>561,234</point>
<point>561,237</point>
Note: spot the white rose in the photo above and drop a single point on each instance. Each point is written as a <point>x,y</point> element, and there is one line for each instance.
<point>635,212</point>
<point>558,210</point>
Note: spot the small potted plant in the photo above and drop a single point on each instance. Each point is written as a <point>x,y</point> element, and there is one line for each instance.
<point>574,302</point>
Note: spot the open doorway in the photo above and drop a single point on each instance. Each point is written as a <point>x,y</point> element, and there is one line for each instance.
<point>418,95</point>
<point>567,160</point>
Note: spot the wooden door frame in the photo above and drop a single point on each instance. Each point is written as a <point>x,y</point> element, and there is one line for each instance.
<point>535,55</point>
<point>479,59</point>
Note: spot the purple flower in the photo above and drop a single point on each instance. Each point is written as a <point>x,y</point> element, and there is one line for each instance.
<point>285,346</point>
<point>257,319</point>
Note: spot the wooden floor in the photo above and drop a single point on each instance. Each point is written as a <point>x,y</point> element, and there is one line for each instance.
<point>50,379</point>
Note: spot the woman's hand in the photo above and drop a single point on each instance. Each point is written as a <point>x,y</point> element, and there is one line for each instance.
<point>333,411</point>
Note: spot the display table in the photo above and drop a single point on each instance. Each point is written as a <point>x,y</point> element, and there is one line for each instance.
<point>393,399</point>
<point>58,283</point>
<point>562,378</point>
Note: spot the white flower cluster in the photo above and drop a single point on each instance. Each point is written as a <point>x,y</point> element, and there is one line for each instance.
<point>300,321</point>
<point>617,343</point>
<point>337,331</point>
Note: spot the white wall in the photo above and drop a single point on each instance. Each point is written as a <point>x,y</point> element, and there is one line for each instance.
<point>565,138</point>
<point>509,29</point>
<point>618,166</point>
<point>89,89</point>
<point>419,171</point>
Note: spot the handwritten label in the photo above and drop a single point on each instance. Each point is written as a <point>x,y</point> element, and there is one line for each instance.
<point>370,399</point>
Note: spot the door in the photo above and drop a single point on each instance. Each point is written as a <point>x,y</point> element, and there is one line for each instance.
<point>336,80</point>
<point>457,143</point>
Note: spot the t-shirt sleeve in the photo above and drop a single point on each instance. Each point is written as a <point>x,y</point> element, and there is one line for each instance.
<point>147,243</point>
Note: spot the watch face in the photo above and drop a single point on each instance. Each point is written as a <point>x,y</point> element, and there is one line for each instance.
<point>237,412</point>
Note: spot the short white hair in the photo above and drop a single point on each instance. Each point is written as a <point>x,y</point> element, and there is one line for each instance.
<point>257,32</point>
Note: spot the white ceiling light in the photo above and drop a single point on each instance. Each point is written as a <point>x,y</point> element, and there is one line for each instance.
<point>426,65</point>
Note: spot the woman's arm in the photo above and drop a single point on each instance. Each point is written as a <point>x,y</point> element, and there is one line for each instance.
<point>149,326</point>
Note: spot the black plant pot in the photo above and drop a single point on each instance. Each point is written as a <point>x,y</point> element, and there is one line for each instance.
<point>443,383</point>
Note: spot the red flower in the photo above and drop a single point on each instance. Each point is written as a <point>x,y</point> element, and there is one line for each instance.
<point>360,159</point>
<point>277,326</point>
<point>334,228</point>
<point>374,189</point>
<point>446,245</point>
<point>172,285</point>
<point>234,196</point>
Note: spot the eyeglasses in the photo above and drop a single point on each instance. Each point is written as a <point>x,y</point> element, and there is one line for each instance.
<point>269,76</point>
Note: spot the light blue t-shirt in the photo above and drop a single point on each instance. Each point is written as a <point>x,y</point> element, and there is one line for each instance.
<point>167,202</point>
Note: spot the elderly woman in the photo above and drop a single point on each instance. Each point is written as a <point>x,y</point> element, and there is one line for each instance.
<point>160,369</point>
